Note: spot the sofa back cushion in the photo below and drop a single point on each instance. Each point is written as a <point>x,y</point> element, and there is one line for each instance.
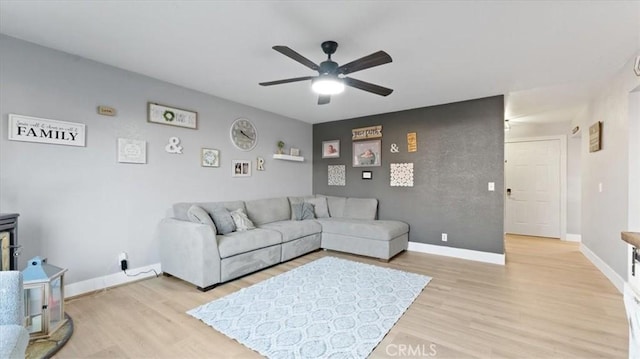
<point>263,211</point>
<point>360,208</point>
<point>335,204</point>
<point>180,209</point>
<point>355,208</point>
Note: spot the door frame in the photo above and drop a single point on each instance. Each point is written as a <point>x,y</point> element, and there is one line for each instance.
<point>563,178</point>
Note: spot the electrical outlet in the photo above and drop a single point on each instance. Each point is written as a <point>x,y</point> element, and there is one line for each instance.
<point>444,237</point>
<point>122,256</point>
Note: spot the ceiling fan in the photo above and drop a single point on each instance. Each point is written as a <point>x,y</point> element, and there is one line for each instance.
<point>331,79</point>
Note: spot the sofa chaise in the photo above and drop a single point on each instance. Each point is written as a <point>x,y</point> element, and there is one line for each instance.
<point>199,253</point>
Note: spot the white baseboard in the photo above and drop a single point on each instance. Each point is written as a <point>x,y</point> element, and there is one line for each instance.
<point>572,237</point>
<point>613,277</point>
<point>91,285</point>
<point>493,258</point>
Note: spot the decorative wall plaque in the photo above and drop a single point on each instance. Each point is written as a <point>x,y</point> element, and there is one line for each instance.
<point>42,130</point>
<point>172,116</point>
<point>412,142</point>
<point>594,137</point>
<point>366,133</point>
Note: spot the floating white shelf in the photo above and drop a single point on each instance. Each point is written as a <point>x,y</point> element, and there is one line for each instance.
<point>288,158</point>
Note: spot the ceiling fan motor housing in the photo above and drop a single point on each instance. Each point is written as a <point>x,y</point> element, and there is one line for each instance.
<point>328,67</point>
<point>329,47</point>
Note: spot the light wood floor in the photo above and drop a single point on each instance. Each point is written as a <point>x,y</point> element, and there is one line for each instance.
<point>548,301</point>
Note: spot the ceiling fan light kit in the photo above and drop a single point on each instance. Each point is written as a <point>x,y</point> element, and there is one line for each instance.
<point>328,82</point>
<point>327,85</point>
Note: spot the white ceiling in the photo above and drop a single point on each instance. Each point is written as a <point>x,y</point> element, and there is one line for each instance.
<point>547,57</point>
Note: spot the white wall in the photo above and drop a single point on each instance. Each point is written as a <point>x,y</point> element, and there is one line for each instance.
<point>605,214</point>
<point>527,130</point>
<point>77,205</point>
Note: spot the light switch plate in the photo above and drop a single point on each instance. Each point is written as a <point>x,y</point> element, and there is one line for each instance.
<point>492,186</point>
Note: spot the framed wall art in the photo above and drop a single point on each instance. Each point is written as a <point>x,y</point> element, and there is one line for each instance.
<point>209,157</point>
<point>241,168</point>
<point>366,153</point>
<point>132,151</point>
<point>172,116</point>
<point>331,149</point>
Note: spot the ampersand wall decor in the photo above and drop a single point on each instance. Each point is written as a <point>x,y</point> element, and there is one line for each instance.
<point>173,146</point>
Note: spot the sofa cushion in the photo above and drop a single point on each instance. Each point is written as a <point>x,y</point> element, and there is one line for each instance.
<point>303,211</point>
<point>242,222</point>
<point>14,339</point>
<point>223,220</point>
<point>335,204</point>
<point>291,230</point>
<point>364,228</point>
<point>180,209</point>
<point>320,207</point>
<point>262,211</point>
<point>197,214</point>
<point>295,200</point>
<point>246,241</point>
<point>360,208</point>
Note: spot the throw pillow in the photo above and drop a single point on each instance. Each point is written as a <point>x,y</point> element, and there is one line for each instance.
<point>303,211</point>
<point>198,215</point>
<point>320,207</point>
<point>222,219</point>
<point>242,222</point>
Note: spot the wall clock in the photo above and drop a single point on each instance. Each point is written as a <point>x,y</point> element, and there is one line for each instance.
<point>244,134</point>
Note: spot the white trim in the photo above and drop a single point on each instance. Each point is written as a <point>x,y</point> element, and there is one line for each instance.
<point>563,176</point>
<point>572,237</point>
<point>110,280</point>
<point>493,258</point>
<point>613,277</point>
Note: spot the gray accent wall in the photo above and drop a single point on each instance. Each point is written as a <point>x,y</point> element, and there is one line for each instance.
<point>460,150</point>
<point>78,206</point>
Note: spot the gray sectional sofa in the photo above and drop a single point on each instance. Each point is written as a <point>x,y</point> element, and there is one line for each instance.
<point>198,254</point>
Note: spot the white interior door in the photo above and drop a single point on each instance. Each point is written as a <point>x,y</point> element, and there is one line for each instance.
<point>532,184</point>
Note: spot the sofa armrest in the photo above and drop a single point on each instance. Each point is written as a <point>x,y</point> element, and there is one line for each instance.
<point>189,251</point>
<point>11,298</point>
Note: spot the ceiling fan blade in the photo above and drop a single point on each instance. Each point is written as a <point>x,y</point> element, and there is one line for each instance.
<point>278,82</point>
<point>367,86</point>
<point>324,99</point>
<point>297,57</point>
<point>375,59</point>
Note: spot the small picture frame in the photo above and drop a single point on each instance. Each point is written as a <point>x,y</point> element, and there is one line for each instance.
<point>294,151</point>
<point>366,153</point>
<point>367,175</point>
<point>209,157</point>
<point>331,149</point>
<point>241,168</point>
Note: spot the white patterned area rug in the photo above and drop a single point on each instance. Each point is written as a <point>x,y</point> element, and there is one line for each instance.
<point>329,308</point>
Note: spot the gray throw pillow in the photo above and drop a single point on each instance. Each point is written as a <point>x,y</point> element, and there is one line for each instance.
<point>320,207</point>
<point>198,215</point>
<point>222,219</point>
<point>302,211</point>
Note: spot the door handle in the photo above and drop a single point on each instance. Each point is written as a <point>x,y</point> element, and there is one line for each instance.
<point>508,191</point>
